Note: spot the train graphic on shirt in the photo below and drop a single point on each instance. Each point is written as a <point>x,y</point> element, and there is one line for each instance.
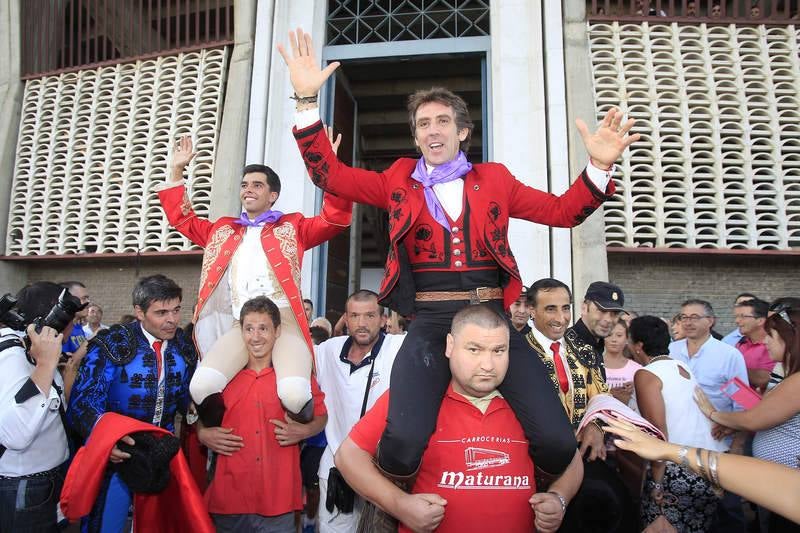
<point>480,458</point>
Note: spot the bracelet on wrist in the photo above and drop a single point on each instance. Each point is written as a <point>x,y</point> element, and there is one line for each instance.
<point>596,423</point>
<point>683,456</point>
<point>304,99</point>
<point>701,467</point>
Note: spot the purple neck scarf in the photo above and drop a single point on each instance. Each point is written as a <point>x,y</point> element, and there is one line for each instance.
<point>267,217</point>
<point>452,170</point>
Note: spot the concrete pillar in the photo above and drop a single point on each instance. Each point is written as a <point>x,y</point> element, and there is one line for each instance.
<point>298,193</point>
<point>519,119</point>
<point>588,240</point>
<point>233,130</point>
<point>12,274</point>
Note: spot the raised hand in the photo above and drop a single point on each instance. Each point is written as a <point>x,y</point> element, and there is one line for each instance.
<point>304,71</point>
<point>610,139</point>
<point>182,154</point>
<point>335,142</point>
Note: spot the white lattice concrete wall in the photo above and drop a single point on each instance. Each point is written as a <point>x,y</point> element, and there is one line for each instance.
<point>93,145</point>
<point>718,107</point>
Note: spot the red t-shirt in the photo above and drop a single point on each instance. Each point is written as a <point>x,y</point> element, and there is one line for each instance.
<point>478,462</point>
<point>262,477</point>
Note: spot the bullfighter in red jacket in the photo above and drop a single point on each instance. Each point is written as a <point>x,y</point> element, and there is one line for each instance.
<point>258,254</point>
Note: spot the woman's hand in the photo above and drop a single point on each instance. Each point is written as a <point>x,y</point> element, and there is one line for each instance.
<point>637,441</point>
<point>704,403</point>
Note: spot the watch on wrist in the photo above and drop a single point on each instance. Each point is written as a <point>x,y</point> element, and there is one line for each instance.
<point>560,499</point>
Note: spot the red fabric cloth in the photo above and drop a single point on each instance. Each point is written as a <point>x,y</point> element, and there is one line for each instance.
<point>493,194</point>
<point>561,372</point>
<point>262,477</point>
<point>196,455</point>
<point>478,462</point>
<point>177,509</point>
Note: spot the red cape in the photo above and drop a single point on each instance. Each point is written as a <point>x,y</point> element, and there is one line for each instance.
<point>178,509</point>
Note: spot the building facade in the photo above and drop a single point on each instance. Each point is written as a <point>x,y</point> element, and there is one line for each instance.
<point>95,93</point>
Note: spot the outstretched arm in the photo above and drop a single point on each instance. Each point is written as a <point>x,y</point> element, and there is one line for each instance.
<point>776,408</point>
<point>324,168</point>
<point>765,483</point>
<point>175,199</point>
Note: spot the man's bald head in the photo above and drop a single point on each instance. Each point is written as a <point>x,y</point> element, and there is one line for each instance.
<point>481,315</point>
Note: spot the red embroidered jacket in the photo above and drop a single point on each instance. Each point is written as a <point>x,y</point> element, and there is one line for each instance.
<point>283,242</point>
<point>493,194</point>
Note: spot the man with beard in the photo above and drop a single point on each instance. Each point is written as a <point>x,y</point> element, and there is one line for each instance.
<point>353,371</point>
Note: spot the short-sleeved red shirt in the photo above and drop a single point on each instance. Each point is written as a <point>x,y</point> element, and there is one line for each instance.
<point>756,356</point>
<point>478,462</point>
<point>262,477</point>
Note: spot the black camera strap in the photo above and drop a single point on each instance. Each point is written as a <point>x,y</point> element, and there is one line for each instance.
<point>366,389</point>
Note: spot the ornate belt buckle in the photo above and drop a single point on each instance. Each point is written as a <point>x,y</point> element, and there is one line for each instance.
<point>475,296</point>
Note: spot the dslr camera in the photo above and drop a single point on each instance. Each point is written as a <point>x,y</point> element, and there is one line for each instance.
<point>59,316</point>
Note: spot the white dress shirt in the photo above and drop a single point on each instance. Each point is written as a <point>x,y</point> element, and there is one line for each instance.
<point>251,275</point>
<point>31,431</point>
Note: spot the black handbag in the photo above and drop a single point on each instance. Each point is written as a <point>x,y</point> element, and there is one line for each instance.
<point>340,494</point>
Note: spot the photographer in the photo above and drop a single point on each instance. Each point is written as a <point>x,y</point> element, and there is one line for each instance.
<point>32,434</point>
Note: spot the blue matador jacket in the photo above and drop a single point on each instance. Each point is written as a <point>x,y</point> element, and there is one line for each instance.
<point>119,375</point>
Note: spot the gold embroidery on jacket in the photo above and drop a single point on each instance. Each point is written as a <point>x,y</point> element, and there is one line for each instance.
<point>213,248</point>
<point>581,389</point>
<point>287,237</point>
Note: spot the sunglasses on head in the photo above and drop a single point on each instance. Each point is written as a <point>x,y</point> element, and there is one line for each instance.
<point>782,310</point>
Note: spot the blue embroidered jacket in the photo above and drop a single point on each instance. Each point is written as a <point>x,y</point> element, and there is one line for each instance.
<point>119,374</point>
